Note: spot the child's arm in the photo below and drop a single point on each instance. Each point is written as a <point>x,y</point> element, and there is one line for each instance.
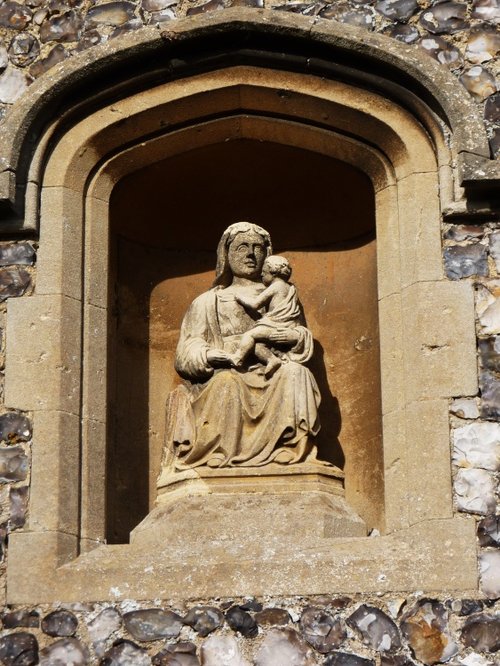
<point>259,301</point>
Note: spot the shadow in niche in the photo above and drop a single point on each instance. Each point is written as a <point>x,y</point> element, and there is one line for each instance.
<point>329,447</point>
<point>139,269</point>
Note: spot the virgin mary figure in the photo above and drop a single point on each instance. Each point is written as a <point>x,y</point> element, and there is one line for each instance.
<point>225,416</point>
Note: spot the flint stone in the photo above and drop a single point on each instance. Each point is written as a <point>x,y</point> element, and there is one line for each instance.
<point>19,649</point>
<point>64,28</point>
<point>489,567</point>
<point>488,306</point>
<point>88,39</point>
<point>284,647</point>
<point>305,8</point>
<point>178,654</point>
<point>164,15</point>
<point>474,659</point>
<point>479,82</point>
<point>247,3</point>
<point>441,50</point>
<point>465,260</point>
<point>465,606</point>
<point>403,32</point>
<point>375,628</point>
<point>57,55</point>
<point>462,232</point>
<point>339,602</point>
<point>489,385</point>
<point>60,623</point>
<point>346,659</point>
<point>14,427</point>
<point>21,618</point>
<point>14,15</point>
<point>204,619</point>
<point>13,464</point>
<point>492,113</point>
<point>110,13</point>
<point>3,539</point>
<point>395,660</point>
<point>23,50</point>
<point>273,616</point>
<point>482,632</point>
<point>210,6</point>
<point>157,5</point>
<point>475,491</point>
<point>494,142</point>
<point>477,445</point>
<point>39,16</point>
<point>489,353</point>
<point>221,651</point>
<point>488,531</point>
<point>425,626</point>
<point>488,10</point>
<point>13,83</point>
<point>241,621</point>
<point>361,17</point>
<point>445,17</point>
<point>64,652</point>
<point>18,507</point>
<point>321,630</point>
<point>397,10</point>
<point>4,58</point>
<point>395,605</point>
<point>483,43</point>
<point>134,24</point>
<point>14,281</point>
<point>251,605</point>
<point>152,624</point>
<point>107,622</point>
<point>465,408</point>
<point>58,6</point>
<point>125,653</point>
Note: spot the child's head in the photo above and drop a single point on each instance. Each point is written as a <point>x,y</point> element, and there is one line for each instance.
<point>276,266</point>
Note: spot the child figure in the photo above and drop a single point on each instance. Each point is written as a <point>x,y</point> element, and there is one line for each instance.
<point>283,309</point>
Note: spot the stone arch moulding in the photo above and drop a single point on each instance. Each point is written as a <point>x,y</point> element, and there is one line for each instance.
<point>399,136</point>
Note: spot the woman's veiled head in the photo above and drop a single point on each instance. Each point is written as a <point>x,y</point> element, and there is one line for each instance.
<point>241,233</point>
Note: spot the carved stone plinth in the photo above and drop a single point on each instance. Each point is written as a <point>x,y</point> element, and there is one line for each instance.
<point>250,510</point>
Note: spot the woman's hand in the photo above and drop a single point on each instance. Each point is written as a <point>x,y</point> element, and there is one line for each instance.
<point>284,336</point>
<point>218,358</point>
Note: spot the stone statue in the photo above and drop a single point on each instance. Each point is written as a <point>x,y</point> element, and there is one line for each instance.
<point>248,399</point>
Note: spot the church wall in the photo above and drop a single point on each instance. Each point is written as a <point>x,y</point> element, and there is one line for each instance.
<point>407,627</point>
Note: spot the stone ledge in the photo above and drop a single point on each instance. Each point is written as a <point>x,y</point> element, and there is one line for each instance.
<point>417,558</point>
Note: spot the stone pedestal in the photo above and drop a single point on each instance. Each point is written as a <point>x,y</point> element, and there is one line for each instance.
<point>249,510</point>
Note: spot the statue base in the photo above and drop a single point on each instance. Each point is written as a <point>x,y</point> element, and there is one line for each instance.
<point>249,510</point>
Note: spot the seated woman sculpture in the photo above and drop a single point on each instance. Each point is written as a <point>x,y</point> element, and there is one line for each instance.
<point>227,416</point>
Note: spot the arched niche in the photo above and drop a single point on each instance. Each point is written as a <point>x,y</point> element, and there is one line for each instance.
<point>165,222</point>
<point>60,369</point>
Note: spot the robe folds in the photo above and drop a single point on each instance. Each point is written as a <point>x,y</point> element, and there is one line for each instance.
<point>238,417</point>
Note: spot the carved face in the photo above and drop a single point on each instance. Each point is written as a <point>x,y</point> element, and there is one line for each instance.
<point>267,276</point>
<point>246,255</point>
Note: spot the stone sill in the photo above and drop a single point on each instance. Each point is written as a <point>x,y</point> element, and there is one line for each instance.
<point>420,558</point>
